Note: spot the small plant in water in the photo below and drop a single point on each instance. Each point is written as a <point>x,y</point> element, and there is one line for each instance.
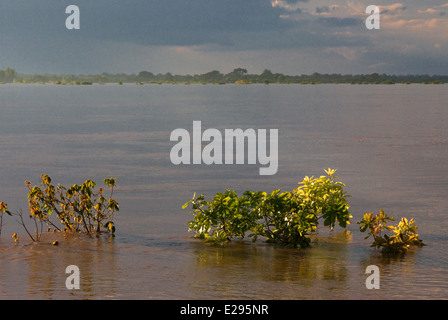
<point>78,208</point>
<point>3,209</point>
<point>403,234</point>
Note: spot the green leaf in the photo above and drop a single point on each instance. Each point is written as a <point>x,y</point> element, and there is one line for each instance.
<point>186,204</point>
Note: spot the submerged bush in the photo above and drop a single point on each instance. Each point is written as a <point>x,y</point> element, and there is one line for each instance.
<point>287,218</point>
<point>78,208</point>
<point>403,234</point>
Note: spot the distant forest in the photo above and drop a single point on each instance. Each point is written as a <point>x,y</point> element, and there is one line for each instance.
<point>237,76</point>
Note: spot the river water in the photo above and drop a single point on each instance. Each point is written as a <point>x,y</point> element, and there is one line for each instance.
<point>388,142</point>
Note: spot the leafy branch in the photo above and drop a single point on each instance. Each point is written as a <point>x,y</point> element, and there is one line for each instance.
<point>3,209</point>
<point>78,208</point>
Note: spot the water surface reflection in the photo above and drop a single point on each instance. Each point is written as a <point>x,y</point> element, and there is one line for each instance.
<point>387,142</point>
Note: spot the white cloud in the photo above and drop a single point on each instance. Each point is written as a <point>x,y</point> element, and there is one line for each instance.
<point>441,10</point>
<point>329,10</point>
<point>392,8</point>
<point>350,54</point>
<point>355,7</point>
<point>429,10</point>
<point>285,5</point>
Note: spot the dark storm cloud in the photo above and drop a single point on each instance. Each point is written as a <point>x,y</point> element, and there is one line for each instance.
<point>38,40</point>
<point>324,9</point>
<point>167,22</point>
<point>334,22</point>
<point>120,36</point>
<point>180,22</point>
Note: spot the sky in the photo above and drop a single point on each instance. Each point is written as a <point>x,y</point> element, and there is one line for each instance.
<point>196,36</point>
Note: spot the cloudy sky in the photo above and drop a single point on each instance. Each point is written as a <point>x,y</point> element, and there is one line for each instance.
<point>197,36</point>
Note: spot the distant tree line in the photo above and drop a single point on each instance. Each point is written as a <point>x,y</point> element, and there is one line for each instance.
<point>238,76</point>
<point>8,75</point>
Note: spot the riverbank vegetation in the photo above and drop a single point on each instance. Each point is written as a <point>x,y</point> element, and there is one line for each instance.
<point>237,76</point>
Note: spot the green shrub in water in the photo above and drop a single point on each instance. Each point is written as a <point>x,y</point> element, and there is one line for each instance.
<point>287,217</point>
<point>79,208</point>
<point>403,235</point>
